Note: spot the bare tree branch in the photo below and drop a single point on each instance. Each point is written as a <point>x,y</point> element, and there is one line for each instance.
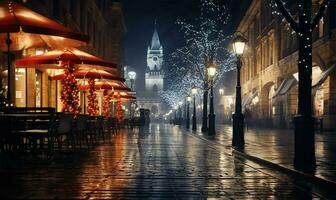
<point>287,15</point>
<point>319,14</point>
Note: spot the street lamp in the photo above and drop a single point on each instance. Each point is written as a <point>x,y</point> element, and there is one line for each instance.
<point>188,114</point>
<point>238,118</point>
<point>132,75</point>
<point>211,73</point>
<point>194,92</point>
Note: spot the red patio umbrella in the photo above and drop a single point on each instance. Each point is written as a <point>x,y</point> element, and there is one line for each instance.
<point>116,86</point>
<point>125,95</point>
<point>52,59</point>
<point>27,28</point>
<point>87,73</point>
<point>21,28</point>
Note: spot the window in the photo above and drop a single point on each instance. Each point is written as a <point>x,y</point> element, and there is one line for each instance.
<point>264,56</point>
<point>271,49</point>
<point>38,88</point>
<point>20,87</point>
<point>258,60</point>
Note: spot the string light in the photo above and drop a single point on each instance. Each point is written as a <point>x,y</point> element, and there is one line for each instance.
<point>119,114</point>
<point>92,98</point>
<point>204,38</point>
<point>69,96</point>
<point>106,104</point>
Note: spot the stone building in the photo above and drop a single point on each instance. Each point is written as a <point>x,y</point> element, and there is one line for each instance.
<point>269,72</point>
<point>102,20</point>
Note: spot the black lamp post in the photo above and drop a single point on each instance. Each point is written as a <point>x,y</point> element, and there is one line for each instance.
<point>188,112</point>
<point>211,73</point>
<point>175,115</point>
<point>238,118</point>
<point>132,76</point>
<point>194,91</point>
<point>180,113</point>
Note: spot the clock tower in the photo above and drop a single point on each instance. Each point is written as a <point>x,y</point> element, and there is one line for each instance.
<point>154,75</point>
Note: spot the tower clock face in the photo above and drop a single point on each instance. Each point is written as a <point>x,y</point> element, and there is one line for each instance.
<point>154,59</point>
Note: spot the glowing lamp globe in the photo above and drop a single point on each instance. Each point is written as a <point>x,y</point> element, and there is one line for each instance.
<point>132,75</point>
<point>194,90</point>
<point>211,71</point>
<point>188,98</point>
<point>238,44</point>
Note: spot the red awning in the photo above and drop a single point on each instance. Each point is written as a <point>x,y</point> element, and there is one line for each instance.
<point>53,58</point>
<point>29,28</point>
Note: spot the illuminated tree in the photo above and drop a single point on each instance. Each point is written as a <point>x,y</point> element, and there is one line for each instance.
<point>70,97</point>
<point>204,45</point>
<point>303,25</point>
<point>119,111</point>
<point>106,104</point>
<point>92,98</point>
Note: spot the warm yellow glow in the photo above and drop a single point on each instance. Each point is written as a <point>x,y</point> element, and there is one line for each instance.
<point>2,12</point>
<point>39,51</point>
<point>194,90</point>
<point>30,15</point>
<point>189,98</point>
<point>212,71</point>
<point>316,73</point>
<point>238,47</point>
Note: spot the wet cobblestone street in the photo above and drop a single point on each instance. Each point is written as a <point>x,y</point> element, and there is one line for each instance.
<point>161,161</point>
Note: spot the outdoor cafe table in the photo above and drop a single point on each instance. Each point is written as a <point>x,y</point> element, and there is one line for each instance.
<point>27,123</point>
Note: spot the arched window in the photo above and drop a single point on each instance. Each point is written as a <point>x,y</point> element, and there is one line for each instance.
<point>155,89</point>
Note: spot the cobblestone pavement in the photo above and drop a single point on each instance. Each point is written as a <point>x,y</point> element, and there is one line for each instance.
<point>277,146</point>
<point>159,162</point>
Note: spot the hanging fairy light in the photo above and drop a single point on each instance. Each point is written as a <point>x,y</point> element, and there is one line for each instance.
<point>106,104</point>
<point>69,96</point>
<point>92,97</point>
<point>119,114</point>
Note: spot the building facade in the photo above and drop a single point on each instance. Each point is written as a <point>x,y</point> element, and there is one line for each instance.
<point>102,20</point>
<point>269,73</point>
<point>154,77</point>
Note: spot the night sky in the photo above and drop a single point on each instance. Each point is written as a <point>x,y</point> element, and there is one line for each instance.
<point>140,17</point>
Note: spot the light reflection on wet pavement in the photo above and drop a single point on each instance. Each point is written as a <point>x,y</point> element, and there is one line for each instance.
<point>159,162</point>
<point>277,146</point>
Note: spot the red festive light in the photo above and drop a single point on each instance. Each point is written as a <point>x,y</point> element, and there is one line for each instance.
<point>93,101</point>
<point>69,96</point>
<point>119,114</point>
<point>106,104</point>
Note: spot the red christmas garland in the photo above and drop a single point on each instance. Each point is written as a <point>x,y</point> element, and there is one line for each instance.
<point>106,104</point>
<point>119,114</point>
<point>69,96</point>
<point>93,108</point>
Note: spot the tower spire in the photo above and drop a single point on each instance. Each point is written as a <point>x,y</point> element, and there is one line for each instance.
<point>155,44</point>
